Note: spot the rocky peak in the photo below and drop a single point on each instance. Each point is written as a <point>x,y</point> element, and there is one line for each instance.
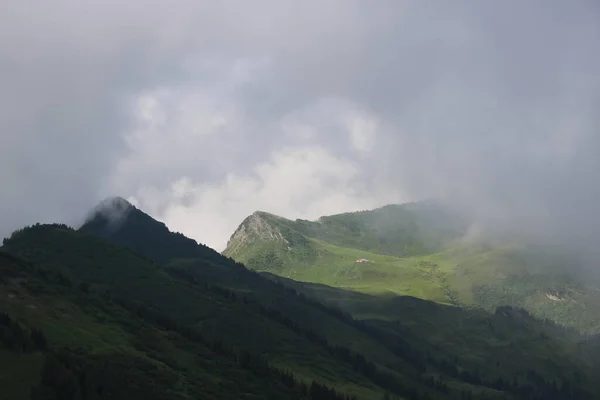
<point>257,227</point>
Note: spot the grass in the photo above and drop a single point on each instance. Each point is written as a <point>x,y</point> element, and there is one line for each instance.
<point>108,330</point>
<point>465,275</point>
<point>484,341</point>
<point>337,266</point>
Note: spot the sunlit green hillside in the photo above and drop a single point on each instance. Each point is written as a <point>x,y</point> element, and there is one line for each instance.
<point>420,258</point>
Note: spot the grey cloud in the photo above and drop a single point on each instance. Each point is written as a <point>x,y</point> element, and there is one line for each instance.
<point>69,68</point>
<point>489,104</point>
<point>506,124</point>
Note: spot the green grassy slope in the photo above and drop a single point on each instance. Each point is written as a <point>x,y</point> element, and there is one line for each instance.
<point>421,258</point>
<point>400,230</point>
<point>118,351</point>
<point>462,331</point>
<point>93,337</point>
<point>92,266</point>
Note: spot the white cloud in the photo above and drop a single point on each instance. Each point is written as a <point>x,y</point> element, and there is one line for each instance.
<point>300,182</point>
<point>182,132</point>
<point>178,129</point>
<point>362,129</point>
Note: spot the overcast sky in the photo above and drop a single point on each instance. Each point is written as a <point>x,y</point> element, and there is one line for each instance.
<point>201,112</point>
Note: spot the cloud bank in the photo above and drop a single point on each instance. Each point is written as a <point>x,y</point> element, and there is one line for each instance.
<point>202,112</point>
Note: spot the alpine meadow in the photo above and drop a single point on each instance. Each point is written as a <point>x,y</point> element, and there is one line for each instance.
<point>423,250</point>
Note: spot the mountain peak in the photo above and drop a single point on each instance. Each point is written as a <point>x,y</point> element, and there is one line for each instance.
<point>259,226</point>
<point>264,214</point>
<point>118,221</point>
<point>114,202</point>
<point>111,212</point>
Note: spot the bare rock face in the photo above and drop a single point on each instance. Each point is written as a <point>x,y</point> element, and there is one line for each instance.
<point>256,227</point>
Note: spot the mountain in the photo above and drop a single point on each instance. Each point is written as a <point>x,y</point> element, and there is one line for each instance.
<point>122,308</point>
<point>397,230</point>
<point>423,250</point>
<point>118,221</point>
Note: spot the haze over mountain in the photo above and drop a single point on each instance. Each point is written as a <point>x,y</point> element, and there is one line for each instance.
<point>123,308</point>
<point>202,112</point>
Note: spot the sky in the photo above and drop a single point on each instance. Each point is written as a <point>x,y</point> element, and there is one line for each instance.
<point>201,112</point>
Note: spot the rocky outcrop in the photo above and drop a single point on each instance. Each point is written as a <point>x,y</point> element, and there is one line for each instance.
<point>257,227</point>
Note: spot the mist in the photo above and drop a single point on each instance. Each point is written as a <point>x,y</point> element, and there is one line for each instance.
<point>507,127</point>
<point>112,211</point>
<point>202,113</point>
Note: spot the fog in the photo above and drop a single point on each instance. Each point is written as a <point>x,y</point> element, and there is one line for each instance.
<point>203,112</point>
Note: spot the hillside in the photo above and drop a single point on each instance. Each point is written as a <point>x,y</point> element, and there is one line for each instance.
<point>118,221</point>
<point>419,250</point>
<point>397,230</point>
<point>94,314</point>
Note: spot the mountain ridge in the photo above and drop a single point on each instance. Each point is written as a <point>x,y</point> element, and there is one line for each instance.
<point>421,249</point>
<point>127,225</point>
<point>412,222</point>
<point>136,312</point>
